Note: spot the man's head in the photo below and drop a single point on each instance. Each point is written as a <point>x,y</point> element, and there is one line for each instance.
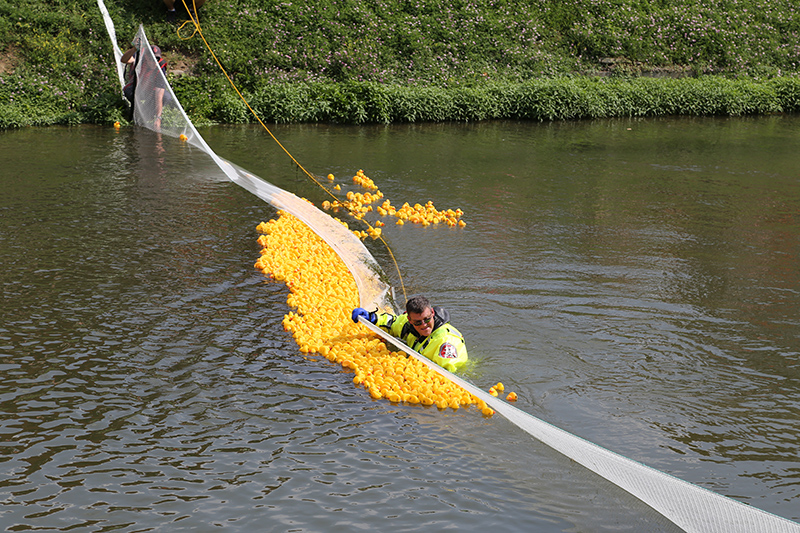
<point>420,315</point>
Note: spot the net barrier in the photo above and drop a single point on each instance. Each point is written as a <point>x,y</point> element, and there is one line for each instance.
<point>692,508</point>
<point>112,32</point>
<point>156,108</point>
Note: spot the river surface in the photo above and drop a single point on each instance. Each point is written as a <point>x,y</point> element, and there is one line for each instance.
<point>635,282</point>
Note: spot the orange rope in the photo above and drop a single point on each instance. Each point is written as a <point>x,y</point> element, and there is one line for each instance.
<point>197,30</point>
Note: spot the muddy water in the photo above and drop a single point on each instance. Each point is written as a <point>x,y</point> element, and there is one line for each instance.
<point>635,282</point>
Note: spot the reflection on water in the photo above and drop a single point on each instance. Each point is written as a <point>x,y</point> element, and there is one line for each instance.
<point>635,282</point>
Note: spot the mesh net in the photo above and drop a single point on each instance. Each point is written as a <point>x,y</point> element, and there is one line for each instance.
<point>692,508</point>
<point>155,107</point>
<point>113,33</point>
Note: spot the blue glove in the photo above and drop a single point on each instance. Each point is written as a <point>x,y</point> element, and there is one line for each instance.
<point>360,311</point>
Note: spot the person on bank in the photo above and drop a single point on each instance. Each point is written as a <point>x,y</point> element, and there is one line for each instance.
<point>423,328</point>
<point>130,58</point>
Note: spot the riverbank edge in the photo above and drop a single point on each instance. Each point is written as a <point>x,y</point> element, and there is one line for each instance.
<point>547,99</point>
<point>210,101</point>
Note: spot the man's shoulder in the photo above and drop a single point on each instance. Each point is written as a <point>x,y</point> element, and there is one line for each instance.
<point>392,322</point>
<point>449,343</point>
<point>445,331</point>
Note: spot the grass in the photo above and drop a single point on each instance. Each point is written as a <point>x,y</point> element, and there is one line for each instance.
<point>358,61</point>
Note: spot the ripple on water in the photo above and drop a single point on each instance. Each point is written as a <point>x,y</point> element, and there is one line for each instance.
<point>147,383</point>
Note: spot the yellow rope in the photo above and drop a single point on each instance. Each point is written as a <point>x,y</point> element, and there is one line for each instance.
<point>198,31</point>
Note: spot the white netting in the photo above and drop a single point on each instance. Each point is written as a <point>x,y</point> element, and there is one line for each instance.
<point>691,507</point>
<point>113,33</point>
<point>155,107</point>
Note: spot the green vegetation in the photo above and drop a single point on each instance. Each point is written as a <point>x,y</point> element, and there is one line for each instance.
<point>412,60</point>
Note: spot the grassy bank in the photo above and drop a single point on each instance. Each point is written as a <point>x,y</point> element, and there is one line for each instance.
<point>412,60</point>
<point>559,98</point>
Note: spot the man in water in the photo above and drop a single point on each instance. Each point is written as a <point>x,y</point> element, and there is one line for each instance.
<point>425,329</point>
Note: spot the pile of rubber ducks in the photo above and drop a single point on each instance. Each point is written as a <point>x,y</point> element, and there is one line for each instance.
<point>323,294</point>
<point>427,215</point>
<point>364,181</point>
<point>359,204</point>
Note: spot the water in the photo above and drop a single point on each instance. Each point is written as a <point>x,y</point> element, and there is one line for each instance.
<point>634,281</point>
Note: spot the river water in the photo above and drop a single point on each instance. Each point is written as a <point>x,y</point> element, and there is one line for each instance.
<point>635,282</point>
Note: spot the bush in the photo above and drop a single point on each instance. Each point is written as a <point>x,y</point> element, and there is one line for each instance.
<point>546,99</point>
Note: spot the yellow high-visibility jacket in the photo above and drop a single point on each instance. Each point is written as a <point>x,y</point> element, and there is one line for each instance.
<point>444,346</point>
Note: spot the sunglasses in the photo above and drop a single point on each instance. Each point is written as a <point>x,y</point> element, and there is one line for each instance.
<point>426,320</point>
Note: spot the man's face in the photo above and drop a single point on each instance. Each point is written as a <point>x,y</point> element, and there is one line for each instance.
<point>422,322</point>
